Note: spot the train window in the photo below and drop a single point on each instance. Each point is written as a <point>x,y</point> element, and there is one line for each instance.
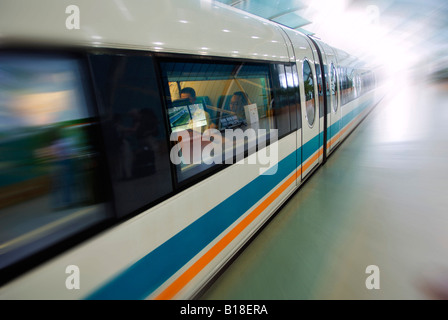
<point>357,85</point>
<point>296,95</point>
<point>50,171</point>
<point>350,84</point>
<point>293,93</point>
<point>368,81</point>
<point>334,88</point>
<point>364,83</point>
<point>210,98</point>
<point>281,104</point>
<point>309,93</point>
<point>320,91</point>
<point>135,137</point>
<point>290,103</point>
<point>327,73</point>
<point>343,85</point>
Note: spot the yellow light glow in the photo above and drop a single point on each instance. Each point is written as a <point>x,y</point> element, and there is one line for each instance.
<point>39,109</point>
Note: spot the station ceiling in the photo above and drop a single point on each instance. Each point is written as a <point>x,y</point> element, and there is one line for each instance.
<point>287,12</point>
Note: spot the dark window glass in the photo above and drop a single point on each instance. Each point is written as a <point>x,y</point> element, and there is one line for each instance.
<point>320,89</point>
<point>50,173</point>
<point>280,103</point>
<point>343,85</point>
<point>350,84</point>
<point>295,76</point>
<point>308,82</point>
<point>293,89</point>
<point>133,124</point>
<point>334,88</point>
<point>327,86</point>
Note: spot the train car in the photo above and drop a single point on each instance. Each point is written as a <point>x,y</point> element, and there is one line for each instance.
<point>143,143</point>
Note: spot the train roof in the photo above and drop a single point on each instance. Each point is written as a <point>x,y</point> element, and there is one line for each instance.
<point>198,27</point>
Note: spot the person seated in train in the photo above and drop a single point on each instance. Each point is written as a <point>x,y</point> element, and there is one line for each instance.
<point>237,103</point>
<point>190,94</point>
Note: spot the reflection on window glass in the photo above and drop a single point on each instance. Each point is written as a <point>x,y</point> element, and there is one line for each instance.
<point>136,141</point>
<point>357,85</point>
<point>344,85</point>
<point>320,92</point>
<point>350,85</point>
<point>293,95</point>
<point>367,81</point>
<point>309,92</point>
<point>48,163</point>
<point>281,104</point>
<point>203,96</point>
<point>334,98</point>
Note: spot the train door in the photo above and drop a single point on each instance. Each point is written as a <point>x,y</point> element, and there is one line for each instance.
<point>308,135</point>
<point>310,118</point>
<point>321,88</point>
<point>292,76</point>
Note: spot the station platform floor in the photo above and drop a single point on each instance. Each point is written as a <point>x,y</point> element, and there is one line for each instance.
<point>381,199</point>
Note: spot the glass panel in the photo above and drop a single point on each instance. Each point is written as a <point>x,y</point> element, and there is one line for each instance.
<point>320,91</point>
<point>296,94</point>
<point>350,84</point>
<point>293,83</point>
<point>280,105</point>
<point>210,100</point>
<point>327,73</point>
<point>334,88</point>
<point>368,81</point>
<point>49,164</point>
<point>136,140</point>
<point>343,85</point>
<point>357,84</point>
<point>309,93</point>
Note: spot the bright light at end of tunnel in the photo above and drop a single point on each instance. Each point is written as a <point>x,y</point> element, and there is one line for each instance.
<point>361,33</point>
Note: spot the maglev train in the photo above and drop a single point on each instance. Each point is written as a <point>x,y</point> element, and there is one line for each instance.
<point>144,143</point>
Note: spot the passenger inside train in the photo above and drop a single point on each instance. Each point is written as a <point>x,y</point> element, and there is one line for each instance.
<point>231,113</point>
<point>237,117</point>
<point>199,117</point>
<point>188,93</point>
<point>237,103</point>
